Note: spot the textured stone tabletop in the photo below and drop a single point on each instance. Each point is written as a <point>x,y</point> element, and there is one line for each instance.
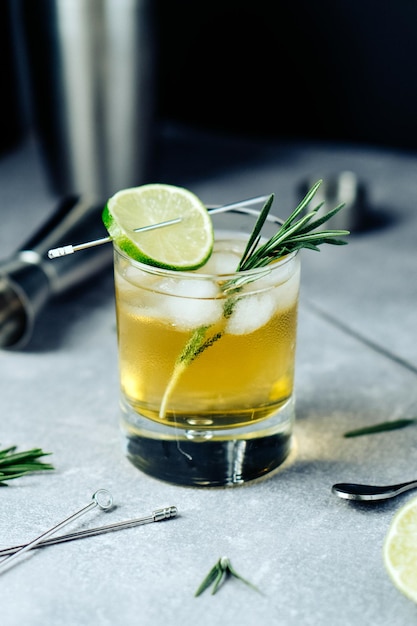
<point>316,558</point>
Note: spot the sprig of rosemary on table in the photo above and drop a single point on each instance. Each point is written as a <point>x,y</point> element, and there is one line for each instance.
<point>15,464</point>
<point>294,234</point>
<point>218,574</point>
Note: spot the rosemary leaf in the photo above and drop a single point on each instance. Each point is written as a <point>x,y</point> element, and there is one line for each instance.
<point>221,575</point>
<point>209,579</point>
<point>302,205</point>
<point>255,236</point>
<point>7,450</point>
<point>11,459</point>
<point>191,348</point>
<point>4,477</point>
<point>325,218</point>
<point>234,573</point>
<point>381,427</point>
<point>24,467</point>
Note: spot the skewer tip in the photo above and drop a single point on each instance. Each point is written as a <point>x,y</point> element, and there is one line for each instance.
<point>63,251</point>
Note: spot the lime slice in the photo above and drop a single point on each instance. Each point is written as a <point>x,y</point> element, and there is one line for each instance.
<point>400,550</point>
<point>183,246</point>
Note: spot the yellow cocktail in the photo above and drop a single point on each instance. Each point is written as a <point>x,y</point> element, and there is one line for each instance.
<point>206,364</point>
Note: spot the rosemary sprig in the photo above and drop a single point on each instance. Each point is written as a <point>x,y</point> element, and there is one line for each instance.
<point>294,234</point>
<point>381,427</point>
<point>218,574</point>
<point>15,464</point>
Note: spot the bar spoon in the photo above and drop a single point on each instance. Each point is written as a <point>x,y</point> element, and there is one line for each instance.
<point>353,491</point>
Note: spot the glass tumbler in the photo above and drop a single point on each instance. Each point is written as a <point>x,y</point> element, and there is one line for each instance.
<point>206,362</point>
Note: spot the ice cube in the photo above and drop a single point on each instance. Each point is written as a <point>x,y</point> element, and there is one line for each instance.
<point>250,313</point>
<point>187,287</point>
<point>221,263</point>
<point>283,285</point>
<point>254,310</point>
<point>191,303</point>
<point>135,288</point>
<point>273,274</point>
<point>286,294</point>
<point>137,276</point>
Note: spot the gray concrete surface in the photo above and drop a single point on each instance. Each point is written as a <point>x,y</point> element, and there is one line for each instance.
<point>316,558</point>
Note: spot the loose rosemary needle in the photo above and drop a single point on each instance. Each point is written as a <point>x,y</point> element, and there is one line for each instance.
<point>381,427</point>
<point>15,464</point>
<point>218,574</point>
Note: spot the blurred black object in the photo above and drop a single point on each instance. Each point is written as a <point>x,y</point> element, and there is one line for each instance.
<point>346,188</point>
<point>334,71</point>
<point>29,279</point>
<point>323,70</point>
<point>12,115</point>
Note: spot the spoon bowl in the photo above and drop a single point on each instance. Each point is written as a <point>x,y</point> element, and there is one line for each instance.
<point>354,491</point>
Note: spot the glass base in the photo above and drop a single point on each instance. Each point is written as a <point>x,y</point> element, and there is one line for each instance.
<point>211,458</point>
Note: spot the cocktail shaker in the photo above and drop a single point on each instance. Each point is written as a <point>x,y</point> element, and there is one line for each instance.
<point>29,278</point>
<point>343,187</point>
<point>90,72</point>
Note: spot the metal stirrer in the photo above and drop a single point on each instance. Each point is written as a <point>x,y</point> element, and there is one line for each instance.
<point>238,205</point>
<point>64,250</point>
<point>70,249</point>
<point>157,516</point>
<point>101,498</point>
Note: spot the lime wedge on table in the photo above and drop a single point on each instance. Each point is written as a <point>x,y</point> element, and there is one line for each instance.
<point>400,550</point>
<point>183,246</point>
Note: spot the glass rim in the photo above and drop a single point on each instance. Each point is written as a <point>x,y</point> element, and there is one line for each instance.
<point>196,273</point>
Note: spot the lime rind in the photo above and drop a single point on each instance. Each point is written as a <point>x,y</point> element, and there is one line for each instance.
<point>400,550</point>
<point>184,246</point>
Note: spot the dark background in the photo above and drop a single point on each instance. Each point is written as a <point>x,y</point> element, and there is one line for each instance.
<point>328,70</point>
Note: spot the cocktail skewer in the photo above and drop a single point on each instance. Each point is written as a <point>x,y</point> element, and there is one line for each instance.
<point>54,253</point>
<point>157,516</point>
<point>70,249</point>
<point>101,498</point>
<point>238,205</point>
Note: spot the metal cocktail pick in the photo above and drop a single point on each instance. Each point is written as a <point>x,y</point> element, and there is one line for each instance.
<point>101,498</point>
<point>158,515</point>
<point>70,249</point>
